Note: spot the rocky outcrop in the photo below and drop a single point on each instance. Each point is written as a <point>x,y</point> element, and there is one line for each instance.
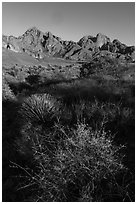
<point>39,44</point>
<point>101,40</point>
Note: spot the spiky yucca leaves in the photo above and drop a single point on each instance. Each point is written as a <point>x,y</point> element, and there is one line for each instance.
<point>40,108</point>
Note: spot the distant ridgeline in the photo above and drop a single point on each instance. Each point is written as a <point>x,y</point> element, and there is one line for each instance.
<point>39,44</point>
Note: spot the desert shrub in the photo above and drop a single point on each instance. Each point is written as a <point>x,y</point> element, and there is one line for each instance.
<point>94,112</point>
<point>68,161</point>
<point>33,79</point>
<point>20,87</point>
<point>103,64</point>
<point>39,108</point>
<point>88,69</point>
<point>86,194</point>
<point>7,93</point>
<point>117,117</point>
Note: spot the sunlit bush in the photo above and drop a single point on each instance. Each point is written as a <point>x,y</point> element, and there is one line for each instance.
<point>69,159</point>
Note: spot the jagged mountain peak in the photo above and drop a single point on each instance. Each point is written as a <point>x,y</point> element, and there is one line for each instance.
<point>100,35</point>
<point>48,33</point>
<point>32,29</point>
<point>116,41</point>
<point>39,44</point>
<point>87,37</point>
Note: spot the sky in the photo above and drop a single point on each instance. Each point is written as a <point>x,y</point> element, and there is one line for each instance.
<point>71,20</point>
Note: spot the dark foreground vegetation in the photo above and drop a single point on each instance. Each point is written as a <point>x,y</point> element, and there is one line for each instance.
<point>69,140</point>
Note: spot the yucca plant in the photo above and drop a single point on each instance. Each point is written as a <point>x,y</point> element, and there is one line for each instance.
<point>40,108</point>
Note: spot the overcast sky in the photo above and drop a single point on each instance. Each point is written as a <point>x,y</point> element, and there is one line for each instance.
<point>70,20</point>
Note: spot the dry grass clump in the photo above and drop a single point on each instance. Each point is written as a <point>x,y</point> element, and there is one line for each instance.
<point>94,112</point>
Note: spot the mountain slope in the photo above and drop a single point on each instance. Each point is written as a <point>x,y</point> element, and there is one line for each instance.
<point>39,44</point>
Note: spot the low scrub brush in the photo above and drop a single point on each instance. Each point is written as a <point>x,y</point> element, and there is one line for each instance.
<point>7,93</point>
<point>70,162</point>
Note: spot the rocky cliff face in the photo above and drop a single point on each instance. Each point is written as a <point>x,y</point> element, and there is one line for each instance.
<point>39,44</point>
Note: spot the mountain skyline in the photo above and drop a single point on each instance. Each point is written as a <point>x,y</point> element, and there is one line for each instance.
<point>71,20</point>
<point>42,44</point>
<point>47,31</point>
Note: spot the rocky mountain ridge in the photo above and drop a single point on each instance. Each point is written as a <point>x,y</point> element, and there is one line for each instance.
<point>39,45</point>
